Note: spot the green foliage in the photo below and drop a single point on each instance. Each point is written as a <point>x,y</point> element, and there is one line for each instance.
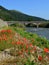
<point>29,63</point>
<point>12,15</point>
<point>45,25</point>
<point>18,25</point>
<point>38,41</point>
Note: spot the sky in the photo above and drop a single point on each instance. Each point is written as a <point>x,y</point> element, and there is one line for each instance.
<point>39,8</point>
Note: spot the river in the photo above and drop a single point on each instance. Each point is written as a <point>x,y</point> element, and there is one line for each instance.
<point>43,32</point>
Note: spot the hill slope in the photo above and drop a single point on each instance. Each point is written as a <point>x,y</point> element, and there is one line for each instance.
<point>13,15</point>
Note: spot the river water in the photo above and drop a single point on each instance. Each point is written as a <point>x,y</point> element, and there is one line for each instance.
<point>43,32</point>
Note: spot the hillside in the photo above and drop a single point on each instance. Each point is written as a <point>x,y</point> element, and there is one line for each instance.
<point>18,47</point>
<point>13,15</point>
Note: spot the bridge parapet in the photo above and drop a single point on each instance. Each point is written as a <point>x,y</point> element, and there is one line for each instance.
<point>25,22</point>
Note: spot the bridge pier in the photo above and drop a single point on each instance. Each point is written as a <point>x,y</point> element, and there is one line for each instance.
<point>37,25</point>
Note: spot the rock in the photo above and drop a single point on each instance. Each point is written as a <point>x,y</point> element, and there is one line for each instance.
<point>5,55</point>
<point>7,51</point>
<point>32,58</point>
<point>3,23</point>
<point>39,49</point>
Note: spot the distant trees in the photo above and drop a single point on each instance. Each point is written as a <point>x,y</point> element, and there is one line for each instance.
<point>13,15</point>
<point>45,25</point>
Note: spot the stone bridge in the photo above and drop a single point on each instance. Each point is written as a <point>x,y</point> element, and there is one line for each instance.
<point>37,23</point>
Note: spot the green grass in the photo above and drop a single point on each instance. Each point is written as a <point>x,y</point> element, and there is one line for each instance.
<point>39,41</point>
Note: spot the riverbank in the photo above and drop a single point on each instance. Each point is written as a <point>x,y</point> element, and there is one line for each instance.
<point>42,32</point>
<point>28,47</point>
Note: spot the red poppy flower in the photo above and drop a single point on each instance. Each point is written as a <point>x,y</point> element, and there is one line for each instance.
<point>5,38</point>
<point>25,40</point>
<point>27,46</point>
<point>30,45</point>
<point>3,31</point>
<point>34,48</point>
<point>40,58</point>
<point>46,50</point>
<point>18,42</point>
<point>9,31</point>
<point>26,51</point>
<point>0,38</point>
<point>13,42</point>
